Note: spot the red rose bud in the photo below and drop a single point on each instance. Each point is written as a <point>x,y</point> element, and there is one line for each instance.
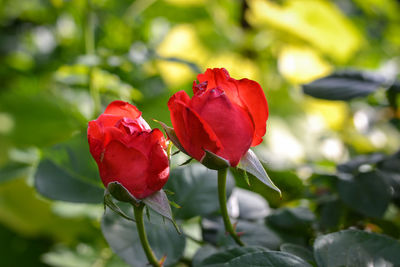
<point>225,116</point>
<point>127,151</point>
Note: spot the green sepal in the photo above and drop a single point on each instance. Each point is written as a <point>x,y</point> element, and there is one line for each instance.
<point>213,161</point>
<point>109,202</point>
<point>246,178</point>
<point>186,162</point>
<point>174,204</point>
<point>172,136</point>
<point>251,164</point>
<point>120,193</point>
<point>159,203</point>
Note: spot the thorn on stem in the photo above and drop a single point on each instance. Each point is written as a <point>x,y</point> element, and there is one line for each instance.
<point>162,260</point>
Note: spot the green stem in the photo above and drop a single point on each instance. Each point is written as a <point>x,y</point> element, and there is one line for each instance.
<point>90,49</point>
<point>222,203</point>
<point>138,211</point>
<point>89,29</point>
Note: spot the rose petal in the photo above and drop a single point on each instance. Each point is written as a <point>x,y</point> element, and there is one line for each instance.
<point>220,78</point>
<point>192,131</point>
<point>158,169</point>
<point>246,93</point>
<point>252,95</point>
<point>231,124</point>
<point>124,109</point>
<point>127,166</point>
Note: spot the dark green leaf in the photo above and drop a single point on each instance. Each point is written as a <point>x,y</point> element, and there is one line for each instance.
<point>353,165</point>
<point>356,248</point>
<point>291,219</point>
<point>55,182</point>
<point>299,251</point>
<point>122,237</point>
<point>366,193</point>
<point>251,205</point>
<point>223,257</point>
<point>203,253</point>
<point>198,192</point>
<point>13,170</point>
<point>330,211</point>
<point>68,172</point>
<point>345,85</point>
<point>251,233</point>
<point>239,258</point>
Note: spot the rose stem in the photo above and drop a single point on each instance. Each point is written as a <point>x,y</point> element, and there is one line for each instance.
<point>90,49</point>
<point>222,203</point>
<point>138,211</point>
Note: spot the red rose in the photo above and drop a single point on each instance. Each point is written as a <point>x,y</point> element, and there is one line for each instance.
<point>225,116</point>
<point>127,151</point>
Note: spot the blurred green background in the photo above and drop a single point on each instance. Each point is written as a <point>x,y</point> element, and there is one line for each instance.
<point>63,61</point>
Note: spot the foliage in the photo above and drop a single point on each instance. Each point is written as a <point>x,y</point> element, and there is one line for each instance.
<point>332,148</point>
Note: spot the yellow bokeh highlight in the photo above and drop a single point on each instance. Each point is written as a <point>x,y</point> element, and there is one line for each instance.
<point>334,113</point>
<point>186,2</point>
<point>237,66</point>
<point>316,21</point>
<point>181,42</point>
<point>301,64</point>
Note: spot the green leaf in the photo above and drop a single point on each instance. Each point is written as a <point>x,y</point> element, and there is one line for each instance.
<point>13,170</point>
<point>64,256</point>
<point>221,258</point>
<point>39,120</point>
<point>203,253</point>
<point>356,248</point>
<point>250,163</point>
<point>159,203</point>
<point>299,251</point>
<point>196,190</point>
<point>239,257</point>
<point>251,233</point>
<point>123,239</point>
<point>345,85</point>
<point>330,211</point>
<point>291,219</point>
<point>352,166</point>
<point>366,193</point>
<point>67,172</point>
<point>251,205</point>
<point>55,182</point>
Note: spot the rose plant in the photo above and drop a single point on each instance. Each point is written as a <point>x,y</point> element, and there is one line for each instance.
<point>218,125</point>
<point>127,151</point>
<point>132,162</point>
<point>225,116</point>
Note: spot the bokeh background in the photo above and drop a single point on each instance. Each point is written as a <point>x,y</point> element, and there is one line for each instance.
<point>63,61</point>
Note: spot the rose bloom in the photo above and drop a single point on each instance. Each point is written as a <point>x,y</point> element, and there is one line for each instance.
<point>225,116</point>
<point>127,151</point>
